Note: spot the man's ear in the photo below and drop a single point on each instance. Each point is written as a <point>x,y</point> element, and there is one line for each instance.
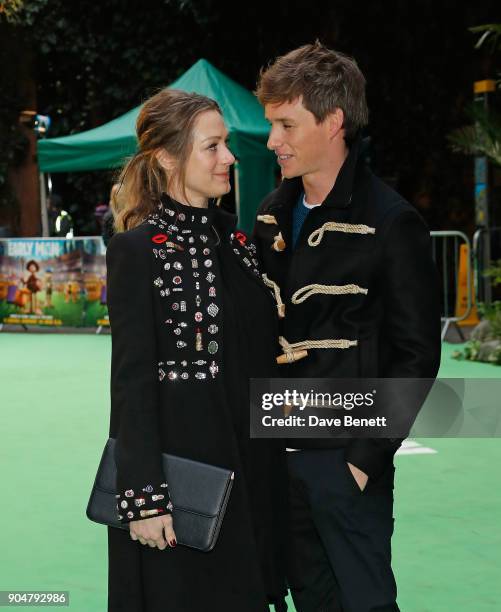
<point>335,122</point>
<point>165,160</point>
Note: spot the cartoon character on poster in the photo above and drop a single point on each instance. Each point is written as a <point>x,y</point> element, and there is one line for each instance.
<point>33,285</point>
<point>48,288</point>
<point>72,291</point>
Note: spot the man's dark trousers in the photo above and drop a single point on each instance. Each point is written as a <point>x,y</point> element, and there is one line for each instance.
<point>333,524</point>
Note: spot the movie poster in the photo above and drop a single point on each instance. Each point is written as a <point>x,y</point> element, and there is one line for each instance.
<point>53,282</point>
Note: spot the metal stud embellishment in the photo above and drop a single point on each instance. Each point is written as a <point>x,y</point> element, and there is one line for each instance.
<point>199,362</point>
<point>181,217</point>
<point>213,369</point>
<point>167,266</point>
<point>198,317</point>
<point>204,219</point>
<point>192,251</point>
<point>212,292</point>
<point>201,375</point>
<point>175,306</point>
<point>123,504</point>
<point>203,238</point>
<point>213,347</point>
<point>206,251</point>
<point>210,277</point>
<point>158,282</point>
<point>148,489</point>
<point>172,375</point>
<point>181,344</point>
<point>194,263</point>
<point>212,309</point>
<point>129,493</point>
<point>161,374</point>
<point>140,501</point>
<point>208,263</point>
<point>177,265</point>
<point>177,280</point>
<point>213,328</point>
<point>183,306</point>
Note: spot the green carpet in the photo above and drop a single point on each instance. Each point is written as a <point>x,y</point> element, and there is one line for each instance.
<point>54,410</point>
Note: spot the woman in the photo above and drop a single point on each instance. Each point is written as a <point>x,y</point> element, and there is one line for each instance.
<point>191,322</point>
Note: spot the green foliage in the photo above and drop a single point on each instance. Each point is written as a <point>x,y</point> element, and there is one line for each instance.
<point>492,313</point>
<point>9,10</point>
<point>490,35</point>
<point>481,138</point>
<point>494,272</point>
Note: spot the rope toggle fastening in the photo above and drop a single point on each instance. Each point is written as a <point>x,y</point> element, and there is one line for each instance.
<point>298,350</point>
<point>315,238</point>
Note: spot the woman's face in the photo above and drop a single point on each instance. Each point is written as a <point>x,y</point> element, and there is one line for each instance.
<point>208,166</point>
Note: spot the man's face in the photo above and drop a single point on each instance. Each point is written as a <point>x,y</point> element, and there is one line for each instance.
<point>299,142</point>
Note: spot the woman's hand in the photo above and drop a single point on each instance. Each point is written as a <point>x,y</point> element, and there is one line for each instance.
<point>157,532</point>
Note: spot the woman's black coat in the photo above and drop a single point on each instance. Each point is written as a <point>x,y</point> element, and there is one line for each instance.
<point>191,322</point>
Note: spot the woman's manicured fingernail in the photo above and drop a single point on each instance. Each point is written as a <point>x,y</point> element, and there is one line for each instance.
<point>173,543</point>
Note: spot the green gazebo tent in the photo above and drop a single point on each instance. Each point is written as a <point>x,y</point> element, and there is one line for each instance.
<point>108,145</point>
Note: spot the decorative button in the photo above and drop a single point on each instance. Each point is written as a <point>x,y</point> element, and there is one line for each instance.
<point>213,346</point>
<point>213,369</point>
<point>212,309</point>
<point>177,280</point>
<point>198,317</point>
<point>212,329</point>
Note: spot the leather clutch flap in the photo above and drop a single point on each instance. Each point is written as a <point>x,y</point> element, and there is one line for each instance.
<point>199,493</point>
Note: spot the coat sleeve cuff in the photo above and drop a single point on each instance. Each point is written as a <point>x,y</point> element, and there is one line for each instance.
<point>144,502</point>
<point>371,456</point>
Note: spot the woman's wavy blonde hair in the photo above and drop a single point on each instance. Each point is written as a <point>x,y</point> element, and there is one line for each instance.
<point>166,122</point>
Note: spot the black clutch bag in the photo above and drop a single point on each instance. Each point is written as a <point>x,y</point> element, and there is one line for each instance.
<point>199,493</point>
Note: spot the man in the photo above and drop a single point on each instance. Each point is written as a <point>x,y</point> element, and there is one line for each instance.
<point>351,262</point>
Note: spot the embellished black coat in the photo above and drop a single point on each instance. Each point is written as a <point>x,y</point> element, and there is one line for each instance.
<point>191,322</point>
<point>373,246</point>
